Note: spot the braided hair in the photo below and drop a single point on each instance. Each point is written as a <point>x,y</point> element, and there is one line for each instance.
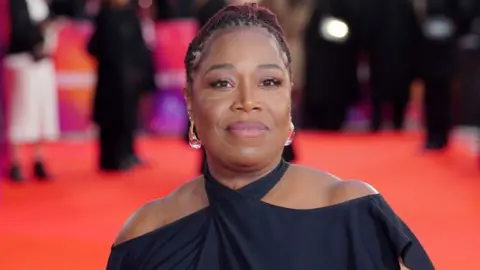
<point>246,15</point>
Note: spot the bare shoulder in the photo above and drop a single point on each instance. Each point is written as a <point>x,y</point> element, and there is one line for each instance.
<point>310,179</point>
<point>321,188</point>
<point>157,213</point>
<point>346,190</point>
<point>142,220</point>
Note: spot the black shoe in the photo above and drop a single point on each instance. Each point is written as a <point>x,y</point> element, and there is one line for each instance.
<point>15,173</point>
<point>135,160</point>
<point>436,144</point>
<point>398,126</point>
<point>375,126</point>
<point>39,171</point>
<point>123,166</point>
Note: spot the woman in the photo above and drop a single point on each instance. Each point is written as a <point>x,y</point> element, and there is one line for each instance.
<point>33,107</point>
<point>125,72</point>
<point>251,209</point>
<point>205,9</point>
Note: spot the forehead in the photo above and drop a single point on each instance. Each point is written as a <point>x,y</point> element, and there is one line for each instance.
<point>247,45</point>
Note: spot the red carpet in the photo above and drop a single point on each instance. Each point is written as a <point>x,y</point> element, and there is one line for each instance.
<point>70,223</point>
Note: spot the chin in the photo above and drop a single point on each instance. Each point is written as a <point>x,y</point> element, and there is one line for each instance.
<point>248,156</point>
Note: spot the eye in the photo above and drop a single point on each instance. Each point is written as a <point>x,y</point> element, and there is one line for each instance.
<point>271,83</point>
<point>221,84</point>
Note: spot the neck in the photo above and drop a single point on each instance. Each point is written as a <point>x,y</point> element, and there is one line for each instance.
<point>237,176</point>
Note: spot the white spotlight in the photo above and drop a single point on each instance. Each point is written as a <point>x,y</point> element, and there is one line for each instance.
<point>438,28</point>
<point>334,29</point>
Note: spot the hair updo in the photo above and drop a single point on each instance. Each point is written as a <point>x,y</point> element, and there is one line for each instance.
<point>246,15</point>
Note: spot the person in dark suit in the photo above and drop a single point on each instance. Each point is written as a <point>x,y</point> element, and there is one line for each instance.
<point>3,144</point>
<point>390,44</point>
<point>3,141</point>
<point>4,29</point>
<point>330,83</point>
<point>166,9</point>
<point>384,31</point>
<point>163,9</point>
<point>437,61</point>
<point>125,72</point>
<point>74,9</point>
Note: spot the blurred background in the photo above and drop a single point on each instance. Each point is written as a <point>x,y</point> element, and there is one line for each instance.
<point>93,121</point>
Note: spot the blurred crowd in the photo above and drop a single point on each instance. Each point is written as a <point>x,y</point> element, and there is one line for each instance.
<point>401,42</point>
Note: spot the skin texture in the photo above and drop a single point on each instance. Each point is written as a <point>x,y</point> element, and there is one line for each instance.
<point>233,84</point>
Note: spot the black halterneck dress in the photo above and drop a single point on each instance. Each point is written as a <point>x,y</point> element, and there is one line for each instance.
<point>238,231</point>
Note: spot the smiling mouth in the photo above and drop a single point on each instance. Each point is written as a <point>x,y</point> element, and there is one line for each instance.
<point>247,129</point>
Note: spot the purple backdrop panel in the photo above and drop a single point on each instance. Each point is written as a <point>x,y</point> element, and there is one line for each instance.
<point>168,115</point>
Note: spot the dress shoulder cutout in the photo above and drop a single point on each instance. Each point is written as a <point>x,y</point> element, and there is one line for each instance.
<point>144,220</point>
<point>159,213</point>
<point>346,190</point>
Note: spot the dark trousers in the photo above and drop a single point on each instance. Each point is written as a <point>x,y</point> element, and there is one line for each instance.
<point>391,58</point>
<point>116,148</point>
<point>326,117</point>
<point>3,124</point>
<point>391,96</point>
<point>437,108</point>
<point>378,108</point>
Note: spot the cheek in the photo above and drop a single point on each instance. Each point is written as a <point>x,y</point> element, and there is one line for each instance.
<point>282,117</point>
<point>281,110</point>
<point>206,115</point>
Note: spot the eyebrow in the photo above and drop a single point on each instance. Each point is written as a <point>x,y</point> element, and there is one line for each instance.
<point>269,66</point>
<point>230,66</point>
<point>221,66</point>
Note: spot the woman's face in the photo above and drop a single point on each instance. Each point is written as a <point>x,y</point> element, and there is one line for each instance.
<point>240,97</point>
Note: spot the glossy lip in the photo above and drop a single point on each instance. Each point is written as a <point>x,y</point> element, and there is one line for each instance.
<point>248,129</point>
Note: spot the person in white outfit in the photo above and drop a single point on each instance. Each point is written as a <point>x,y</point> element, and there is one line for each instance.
<point>33,105</point>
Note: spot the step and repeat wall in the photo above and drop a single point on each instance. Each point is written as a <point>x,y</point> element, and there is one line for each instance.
<point>166,115</point>
<point>76,78</point>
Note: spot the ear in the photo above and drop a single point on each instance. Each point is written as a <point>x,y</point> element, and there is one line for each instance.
<point>187,94</point>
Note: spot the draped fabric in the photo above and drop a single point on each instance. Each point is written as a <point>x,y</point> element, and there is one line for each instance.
<point>238,231</point>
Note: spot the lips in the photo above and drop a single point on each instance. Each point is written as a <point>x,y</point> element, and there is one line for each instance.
<point>247,129</point>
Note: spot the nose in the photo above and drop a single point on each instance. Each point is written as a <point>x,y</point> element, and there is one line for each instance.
<point>246,99</point>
